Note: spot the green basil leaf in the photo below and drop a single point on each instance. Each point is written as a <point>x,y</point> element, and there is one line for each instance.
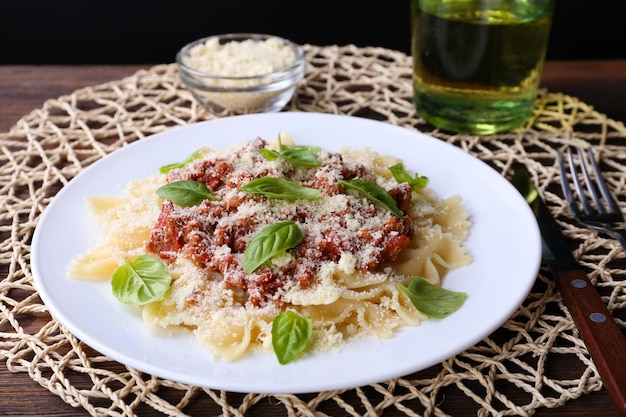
<point>269,154</point>
<point>313,149</point>
<point>300,156</point>
<point>280,188</point>
<point>399,173</point>
<point>269,242</point>
<point>197,154</point>
<point>144,280</point>
<point>431,300</point>
<point>296,155</point>
<point>291,334</point>
<point>186,193</point>
<point>374,192</point>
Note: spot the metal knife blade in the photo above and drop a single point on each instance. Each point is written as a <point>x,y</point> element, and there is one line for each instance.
<point>602,336</point>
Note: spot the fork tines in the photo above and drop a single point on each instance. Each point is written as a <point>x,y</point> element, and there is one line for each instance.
<point>594,187</point>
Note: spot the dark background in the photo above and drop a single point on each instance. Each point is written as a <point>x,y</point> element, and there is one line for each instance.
<point>150,32</point>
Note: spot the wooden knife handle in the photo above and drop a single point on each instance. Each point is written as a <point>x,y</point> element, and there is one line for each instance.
<point>604,339</point>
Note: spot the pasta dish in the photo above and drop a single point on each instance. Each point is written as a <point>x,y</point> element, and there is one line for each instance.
<point>273,246</point>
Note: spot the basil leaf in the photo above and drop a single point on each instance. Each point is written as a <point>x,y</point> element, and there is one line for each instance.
<point>296,155</point>
<point>144,280</point>
<point>269,154</point>
<point>431,300</point>
<point>269,242</point>
<point>186,193</point>
<point>374,192</point>
<point>197,154</point>
<point>280,188</point>
<point>291,334</point>
<point>300,156</point>
<point>400,174</point>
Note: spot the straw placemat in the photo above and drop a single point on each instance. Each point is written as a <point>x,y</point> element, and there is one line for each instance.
<point>508,373</point>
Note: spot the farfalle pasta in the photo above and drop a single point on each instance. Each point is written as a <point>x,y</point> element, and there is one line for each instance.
<point>344,273</point>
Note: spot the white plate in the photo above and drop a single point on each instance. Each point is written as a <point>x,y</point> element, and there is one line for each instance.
<point>497,281</point>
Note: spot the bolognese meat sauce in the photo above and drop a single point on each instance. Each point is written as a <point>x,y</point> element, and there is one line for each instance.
<point>214,234</point>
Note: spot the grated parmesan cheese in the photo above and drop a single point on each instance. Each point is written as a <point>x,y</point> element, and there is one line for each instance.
<point>247,75</point>
<point>241,59</point>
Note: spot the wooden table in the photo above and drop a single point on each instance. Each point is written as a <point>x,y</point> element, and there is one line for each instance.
<point>25,88</point>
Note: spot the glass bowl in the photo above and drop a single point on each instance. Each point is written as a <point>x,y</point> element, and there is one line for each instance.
<point>241,73</point>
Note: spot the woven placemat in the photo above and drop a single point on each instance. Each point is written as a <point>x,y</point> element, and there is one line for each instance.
<point>509,373</point>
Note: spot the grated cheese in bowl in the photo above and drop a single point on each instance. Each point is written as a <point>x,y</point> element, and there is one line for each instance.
<point>241,73</point>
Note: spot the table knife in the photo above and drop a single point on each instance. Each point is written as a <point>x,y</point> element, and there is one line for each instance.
<point>603,337</point>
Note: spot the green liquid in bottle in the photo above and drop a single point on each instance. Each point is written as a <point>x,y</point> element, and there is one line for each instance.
<point>477,71</point>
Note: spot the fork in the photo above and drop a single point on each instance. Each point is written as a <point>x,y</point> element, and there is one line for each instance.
<point>598,208</point>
